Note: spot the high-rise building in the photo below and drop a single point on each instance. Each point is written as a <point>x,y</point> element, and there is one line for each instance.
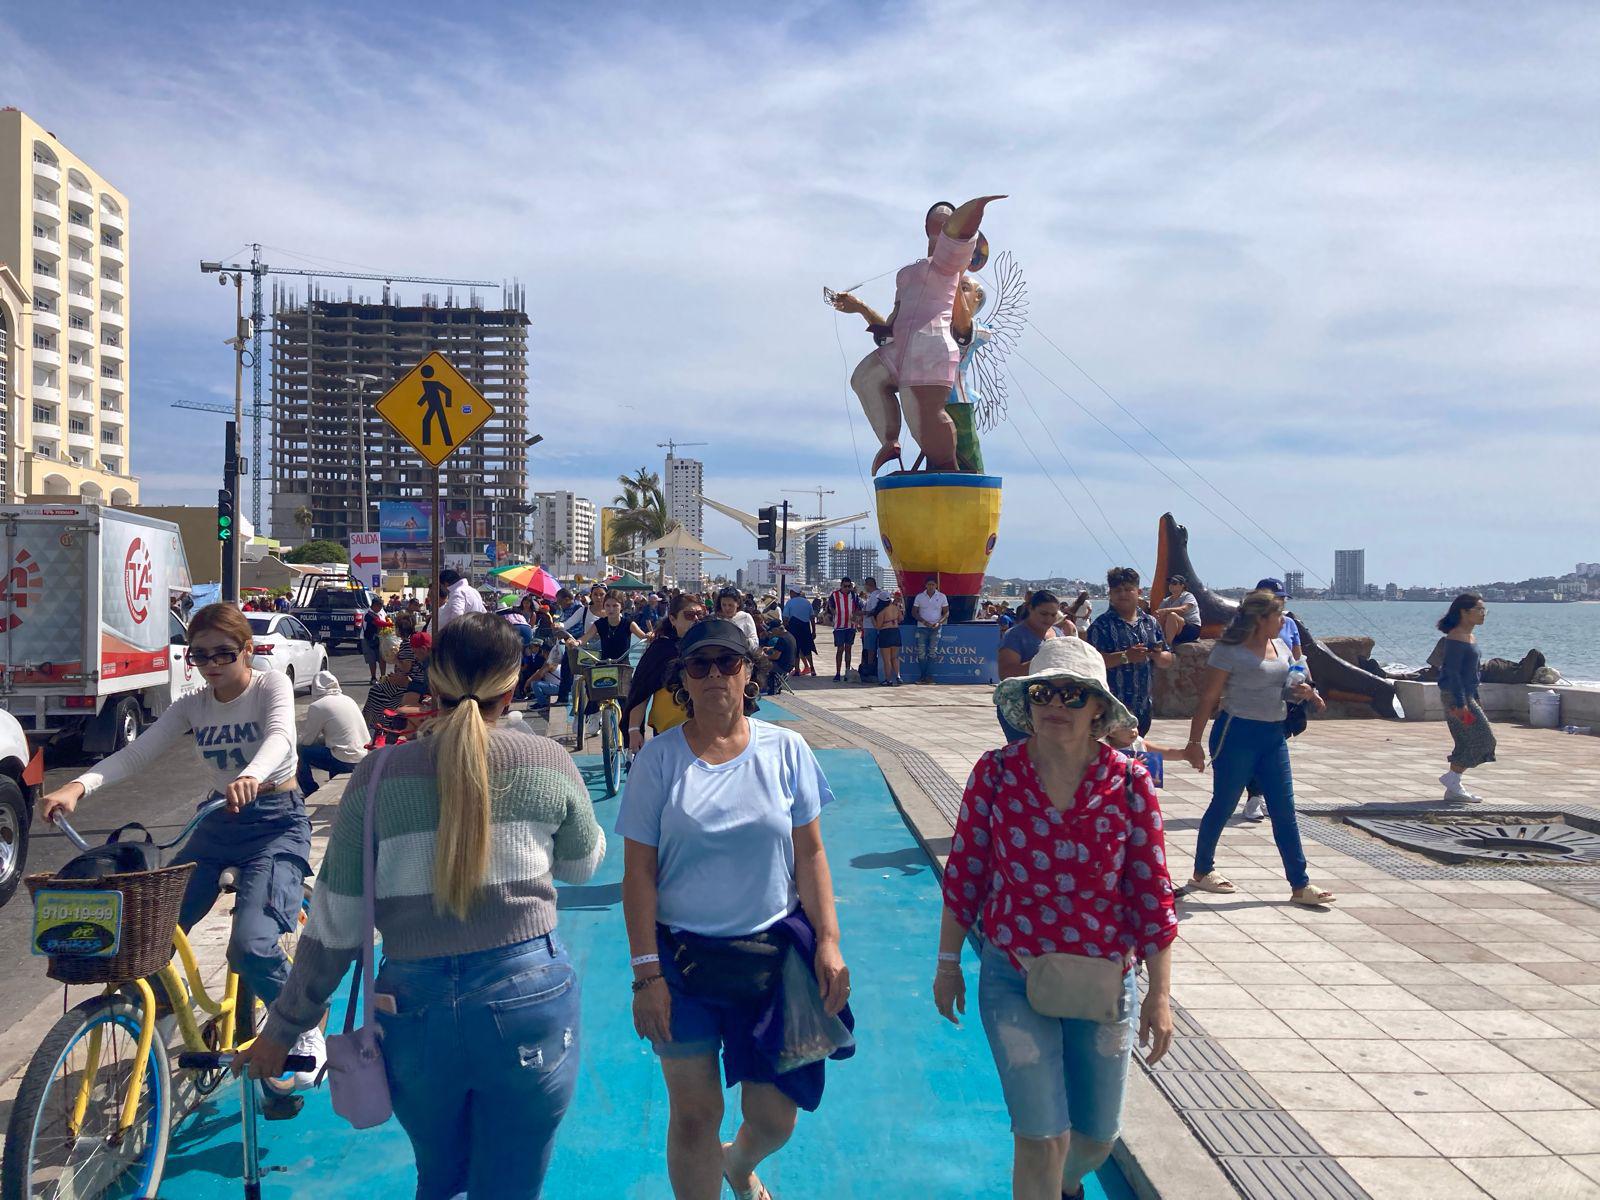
<point>858,562</point>
<point>1350,573</point>
<point>1294,583</point>
<point>63,322</point>
<point>325,424</point>
<point>564,531</point>
<point>683,480</point>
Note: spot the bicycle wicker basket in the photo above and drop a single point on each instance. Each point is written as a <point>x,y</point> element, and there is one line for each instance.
<point>605,680</point>
<point>150,904</point>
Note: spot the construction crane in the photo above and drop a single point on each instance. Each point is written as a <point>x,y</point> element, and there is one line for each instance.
<point>671,447</point>
<point>818,492</point>
<point>258,270</point>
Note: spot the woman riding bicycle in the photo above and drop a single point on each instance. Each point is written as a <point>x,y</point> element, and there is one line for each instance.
<point>243,727</point>
<point>615,635</point>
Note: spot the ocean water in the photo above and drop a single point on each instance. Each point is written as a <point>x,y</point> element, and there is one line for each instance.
<point>1404,633</point>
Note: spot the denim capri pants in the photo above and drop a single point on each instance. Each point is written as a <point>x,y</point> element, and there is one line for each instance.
<point>1057,1075</point>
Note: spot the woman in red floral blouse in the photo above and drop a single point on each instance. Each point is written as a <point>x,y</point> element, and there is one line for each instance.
<point>1059,851</point>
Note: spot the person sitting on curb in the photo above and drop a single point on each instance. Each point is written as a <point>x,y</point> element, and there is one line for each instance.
<point>334,735</point>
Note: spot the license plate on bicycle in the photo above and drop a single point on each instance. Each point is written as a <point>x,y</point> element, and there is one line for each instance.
<point>603,679</point>
<point>72,924</point>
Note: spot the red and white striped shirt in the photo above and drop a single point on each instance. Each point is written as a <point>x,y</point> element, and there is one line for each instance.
<point>845,607</point>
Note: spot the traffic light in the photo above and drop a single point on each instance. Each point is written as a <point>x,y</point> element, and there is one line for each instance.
<point>767,528</point>
<point>224,515</point>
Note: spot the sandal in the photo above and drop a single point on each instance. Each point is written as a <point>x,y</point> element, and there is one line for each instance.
<point>1311,896</point>
<point>757,1189</point>
<point>1214,882</point>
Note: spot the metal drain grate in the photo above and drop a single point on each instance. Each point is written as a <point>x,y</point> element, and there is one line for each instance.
<point>1505,840</point>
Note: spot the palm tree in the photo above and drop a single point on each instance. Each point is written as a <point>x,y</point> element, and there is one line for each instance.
<point>558,555</point>
<point>303,517</point>
<point>647,520</point>
<point>640,490</point>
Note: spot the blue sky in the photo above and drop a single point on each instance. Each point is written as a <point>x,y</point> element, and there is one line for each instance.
<point>1341,257</point>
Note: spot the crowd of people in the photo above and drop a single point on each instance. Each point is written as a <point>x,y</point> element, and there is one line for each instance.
<point>1057,868</point>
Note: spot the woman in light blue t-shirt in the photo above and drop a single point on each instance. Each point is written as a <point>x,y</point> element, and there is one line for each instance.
<point>724,870</point>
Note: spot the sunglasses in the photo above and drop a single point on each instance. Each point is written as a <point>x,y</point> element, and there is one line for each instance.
<point>696,614</point>
<point>700,666</point>
<point>221,657</point>
<point>1071,695</point>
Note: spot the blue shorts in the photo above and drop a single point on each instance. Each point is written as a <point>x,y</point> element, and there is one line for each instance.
<point>1057,1076</point>
<point>704,1025</point>
<point>844,637</point>
<point>1189,633</point>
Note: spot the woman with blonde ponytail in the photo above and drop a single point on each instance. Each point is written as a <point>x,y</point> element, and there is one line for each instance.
<point>477,998</point>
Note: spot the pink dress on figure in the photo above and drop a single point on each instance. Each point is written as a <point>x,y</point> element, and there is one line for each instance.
<point>924,352</point>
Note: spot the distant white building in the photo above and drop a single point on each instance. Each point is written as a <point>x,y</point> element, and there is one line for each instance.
<point>684,477</point>
<point>564,531</point>
<point>758,572</point>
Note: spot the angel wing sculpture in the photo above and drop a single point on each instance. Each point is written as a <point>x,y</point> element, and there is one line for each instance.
<point>1000,326</point>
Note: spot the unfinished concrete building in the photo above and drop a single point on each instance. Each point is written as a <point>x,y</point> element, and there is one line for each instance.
<point>322,347</point>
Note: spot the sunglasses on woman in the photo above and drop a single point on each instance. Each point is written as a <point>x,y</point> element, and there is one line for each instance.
<point>700,666</point>
<point>221,657</point>
<point>696,614</point>
<point>1070,694</point>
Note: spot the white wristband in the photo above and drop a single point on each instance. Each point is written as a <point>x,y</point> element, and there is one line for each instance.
<point>953,956</point>
<point>642,959</point>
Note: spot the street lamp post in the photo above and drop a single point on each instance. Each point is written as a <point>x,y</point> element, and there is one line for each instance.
<point>361,382</point>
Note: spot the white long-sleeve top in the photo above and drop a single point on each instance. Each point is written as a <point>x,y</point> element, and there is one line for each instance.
<point>460,599</point>
<point>336,721</point>
<point>251,735</point>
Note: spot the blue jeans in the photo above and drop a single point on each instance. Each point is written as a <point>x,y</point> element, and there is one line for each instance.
<point>322,758</point>
<point>482,1058</point>
<point>1056,1075</point>
<point>541,693</point>
<point>1242,751</point>
<point>927,639</point>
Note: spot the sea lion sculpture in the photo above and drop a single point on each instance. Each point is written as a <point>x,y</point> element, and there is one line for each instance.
<point>1330,671</point>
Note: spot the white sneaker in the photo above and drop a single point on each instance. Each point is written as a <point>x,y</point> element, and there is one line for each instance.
<point>1454,790</point>
<point>310,1043</point>
<point>1255,808</point>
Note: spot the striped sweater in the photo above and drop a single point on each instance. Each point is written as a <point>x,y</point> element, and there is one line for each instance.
<point>543,827</point>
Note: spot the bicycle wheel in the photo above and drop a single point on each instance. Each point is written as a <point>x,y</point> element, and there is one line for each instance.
<point>580,701</point>
<point>89,1053</point>
<point>611,746</point>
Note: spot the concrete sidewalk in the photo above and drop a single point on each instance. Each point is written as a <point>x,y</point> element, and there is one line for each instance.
<point>1435,1033</point>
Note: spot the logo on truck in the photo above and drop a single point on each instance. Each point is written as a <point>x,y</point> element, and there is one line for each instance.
<point>136,580</point>
<point>23,580</point>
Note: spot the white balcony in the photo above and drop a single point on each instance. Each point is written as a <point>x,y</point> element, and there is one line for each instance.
<point>81,403</point>
<point>111,287</point>
<point>47,429</point>
<point>46,393</point>
<point>44,170</point>
<point>47,245</point>
<point>46,318</point>
<point>46,281</point>
<point>113,352</point>
<point>80,237</point>
<point>81,439</point>
<point>81,301</point>
<point>112,220</point>
<point>82,369</point>
<point>82,337</point>
<point>80,195</point>
<point>46,208</point>
<point>46,358</point>
<point>80,267</point>
<point>111,437</point>
<point>111,316</point>
<point>110,253</point>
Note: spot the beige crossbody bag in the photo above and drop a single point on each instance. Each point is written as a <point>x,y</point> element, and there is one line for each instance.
<point>1075,987</point>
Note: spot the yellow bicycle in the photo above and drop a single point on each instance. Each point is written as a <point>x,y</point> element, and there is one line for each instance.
<point>605,681</point>
<point>94,1113</point>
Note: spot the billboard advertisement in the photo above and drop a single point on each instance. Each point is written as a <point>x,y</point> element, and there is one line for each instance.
<point>407,534</point>
<point>465,523</point>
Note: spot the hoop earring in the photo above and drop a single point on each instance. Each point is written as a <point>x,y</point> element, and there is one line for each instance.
<point>681,695</point>
<point>752,690</point>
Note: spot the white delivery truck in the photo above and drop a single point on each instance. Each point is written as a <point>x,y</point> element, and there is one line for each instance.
<point>91,636</point>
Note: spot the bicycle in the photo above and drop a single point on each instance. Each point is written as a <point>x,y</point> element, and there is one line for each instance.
<point>608,680</point>
<point>94,1113</point>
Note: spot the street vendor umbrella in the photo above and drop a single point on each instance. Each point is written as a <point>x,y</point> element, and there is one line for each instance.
<point>681,539</point>
<point>627,582</point>
<point>528,578</point>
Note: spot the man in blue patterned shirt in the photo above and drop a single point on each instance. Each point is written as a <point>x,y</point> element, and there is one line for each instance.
<point>1132,644</point>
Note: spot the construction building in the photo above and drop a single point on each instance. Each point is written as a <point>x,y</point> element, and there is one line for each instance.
<point>858,562</point>
<point>326,432</point>
<point>684,477</point>
<point>63,322</point>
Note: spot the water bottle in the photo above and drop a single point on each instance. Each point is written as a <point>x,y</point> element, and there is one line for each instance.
<point>1297,675</point>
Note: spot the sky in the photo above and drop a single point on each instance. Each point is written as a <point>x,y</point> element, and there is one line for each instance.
<point>1308,276</point>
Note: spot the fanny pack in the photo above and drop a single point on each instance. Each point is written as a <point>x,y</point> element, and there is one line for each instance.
<point>739,968</point>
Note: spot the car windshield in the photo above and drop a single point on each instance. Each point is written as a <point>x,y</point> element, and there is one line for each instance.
<point>339,598</point>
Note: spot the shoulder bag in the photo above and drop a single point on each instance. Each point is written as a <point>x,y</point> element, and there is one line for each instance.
<point>1075,987</point>
<point>357,1080</point>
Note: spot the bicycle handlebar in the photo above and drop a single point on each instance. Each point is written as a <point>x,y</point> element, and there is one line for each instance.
<point>59,819</point>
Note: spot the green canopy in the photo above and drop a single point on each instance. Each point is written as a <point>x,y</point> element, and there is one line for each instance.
<point>627,582</point>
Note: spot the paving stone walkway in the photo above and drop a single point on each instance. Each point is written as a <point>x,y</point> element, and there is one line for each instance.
<point>1436,1033</point>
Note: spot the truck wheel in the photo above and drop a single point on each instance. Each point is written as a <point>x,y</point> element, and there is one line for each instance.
<point>127,723</point>
<point>14,818</point>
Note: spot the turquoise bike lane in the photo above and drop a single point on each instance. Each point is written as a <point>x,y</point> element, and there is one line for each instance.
<point>917,1112</point>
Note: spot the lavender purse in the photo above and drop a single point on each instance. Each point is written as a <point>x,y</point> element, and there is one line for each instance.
<point>357,1082</point>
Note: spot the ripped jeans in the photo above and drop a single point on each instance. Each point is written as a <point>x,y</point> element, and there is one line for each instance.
<point>482,1058</point>
<point>1056,1075</point>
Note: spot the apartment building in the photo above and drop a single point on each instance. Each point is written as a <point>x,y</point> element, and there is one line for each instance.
<point>564,532</point>
<point>684,480</point>
<point>64,320</point>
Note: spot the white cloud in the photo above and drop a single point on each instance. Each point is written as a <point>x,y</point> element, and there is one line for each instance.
<point>1342,257</point>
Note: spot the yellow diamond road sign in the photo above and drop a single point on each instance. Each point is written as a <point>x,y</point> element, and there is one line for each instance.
<point>434,408</point>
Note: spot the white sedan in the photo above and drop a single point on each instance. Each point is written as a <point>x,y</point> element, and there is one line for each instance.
<point>282,643</point>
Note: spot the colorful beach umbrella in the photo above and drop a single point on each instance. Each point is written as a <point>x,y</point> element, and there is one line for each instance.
<point>527,578</point>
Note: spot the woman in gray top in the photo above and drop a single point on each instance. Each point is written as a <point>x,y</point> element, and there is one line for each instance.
<point>1247,684</point>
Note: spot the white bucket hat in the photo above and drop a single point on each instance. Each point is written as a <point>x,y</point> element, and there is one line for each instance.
<point>1071,660</point>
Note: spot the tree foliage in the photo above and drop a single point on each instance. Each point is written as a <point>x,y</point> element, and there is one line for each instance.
<point>317,552</point>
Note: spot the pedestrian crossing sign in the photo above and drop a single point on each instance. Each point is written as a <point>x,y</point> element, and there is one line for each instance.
<point>434,408</point>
